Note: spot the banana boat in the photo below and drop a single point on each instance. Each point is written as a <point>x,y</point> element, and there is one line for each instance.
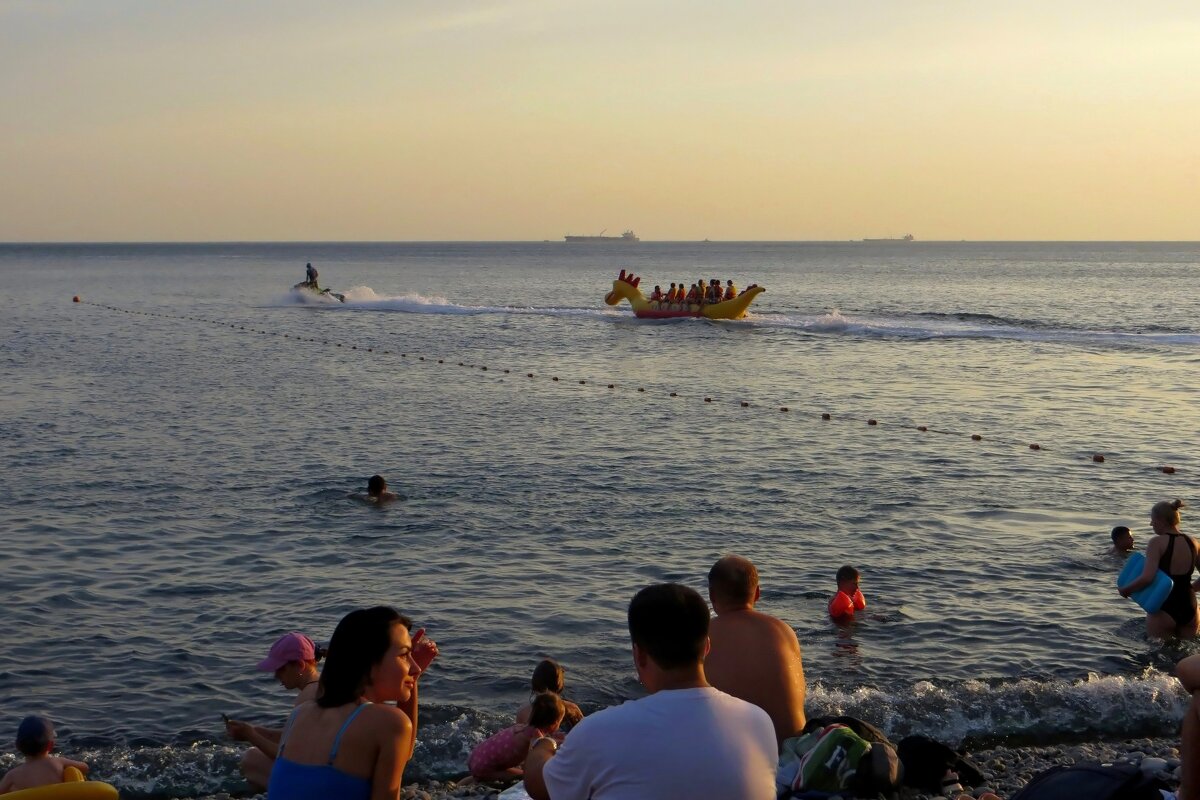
<point>625,287</point>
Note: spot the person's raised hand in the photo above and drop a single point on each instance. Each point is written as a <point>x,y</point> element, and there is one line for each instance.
<point>424,651</point>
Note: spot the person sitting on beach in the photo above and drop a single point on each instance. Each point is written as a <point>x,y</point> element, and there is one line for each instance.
<point>377,491</point>
<point>754,656</point>
<point>310,277</point>
<point>1188,672</point>
<point>1122,541</point>
<point>35,740</point>
<point>684,739</point>
<point>293,659</point>
<point>730,290</point>
<point>548,677</point>
<point>849,597</point>
<point>1175,554</point>
<point>500,756</point>
<point>349,743</point>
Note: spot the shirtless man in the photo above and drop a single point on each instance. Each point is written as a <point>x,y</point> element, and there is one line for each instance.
<point>754,656</point>
<point>377,491</point>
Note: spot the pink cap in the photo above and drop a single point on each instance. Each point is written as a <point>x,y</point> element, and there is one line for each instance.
<point>290,647</point>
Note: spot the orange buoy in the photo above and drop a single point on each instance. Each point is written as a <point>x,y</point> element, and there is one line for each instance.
<point>872,422</point>
<point>75,299</point>
<point>975,437</point>
<point>922,428</point>
<point>1168,470</point>
<point>1098,458</point>
<point>825,417</point>
<point>1035,446</point>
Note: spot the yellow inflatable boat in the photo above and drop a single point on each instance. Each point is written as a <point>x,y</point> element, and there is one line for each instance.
<point>625,287</point>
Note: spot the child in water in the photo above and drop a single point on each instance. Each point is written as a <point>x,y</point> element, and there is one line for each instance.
<point>849,597</point>
<point>1122,540</point>
<point>499,757</point>
<point>35,740</point>
<point>548,677</point>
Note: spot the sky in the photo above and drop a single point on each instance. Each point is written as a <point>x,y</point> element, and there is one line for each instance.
<point>272,120</point>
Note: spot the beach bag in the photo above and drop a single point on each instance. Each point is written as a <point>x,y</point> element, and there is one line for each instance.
<point>864,729</point>
<point>1092,782</point>
<point>926,762</point>
<point>823,761</point>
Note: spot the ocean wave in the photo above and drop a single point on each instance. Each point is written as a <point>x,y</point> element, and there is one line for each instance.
<point>967,326</point>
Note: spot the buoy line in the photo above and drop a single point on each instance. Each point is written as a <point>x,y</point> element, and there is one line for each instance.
<point>1096,457</point>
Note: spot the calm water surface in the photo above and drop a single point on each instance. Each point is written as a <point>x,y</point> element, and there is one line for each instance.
<point>174,491</point>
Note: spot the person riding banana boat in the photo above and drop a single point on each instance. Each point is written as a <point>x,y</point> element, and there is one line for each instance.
<point>709,300</point>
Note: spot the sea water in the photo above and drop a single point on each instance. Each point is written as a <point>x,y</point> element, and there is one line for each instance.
<point>180,449</point>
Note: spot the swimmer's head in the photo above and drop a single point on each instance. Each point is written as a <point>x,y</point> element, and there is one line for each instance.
<point>547,677</point>
<point>35,736</point>
<point>1166,513</point>
<point>1122,539</point>
<point>847,576</point>
<point>376,485</point>
<point>546,712</point>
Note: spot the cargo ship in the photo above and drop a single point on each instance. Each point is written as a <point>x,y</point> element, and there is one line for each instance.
<point>908,237</point>
<point>627,236</point>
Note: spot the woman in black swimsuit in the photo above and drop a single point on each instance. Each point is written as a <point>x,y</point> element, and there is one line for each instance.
<point>1175,554</point>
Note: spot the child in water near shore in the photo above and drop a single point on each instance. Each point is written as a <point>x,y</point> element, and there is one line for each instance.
<point>548,677</point>
<point>849,597</point>
<point>35,740</point>
<point>500,756</point>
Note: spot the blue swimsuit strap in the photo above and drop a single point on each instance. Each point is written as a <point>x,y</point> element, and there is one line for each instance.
<point>337,741</point>
<point>287,729</point>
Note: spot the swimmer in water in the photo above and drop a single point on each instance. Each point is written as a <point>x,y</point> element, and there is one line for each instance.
<point>849,597</point>
<point>377,491</point>
<point>1122,541</point>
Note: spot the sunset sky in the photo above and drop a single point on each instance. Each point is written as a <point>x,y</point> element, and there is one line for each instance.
<point>529,119</point>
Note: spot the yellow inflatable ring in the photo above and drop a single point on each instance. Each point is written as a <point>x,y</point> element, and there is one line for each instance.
<point>74,790</point>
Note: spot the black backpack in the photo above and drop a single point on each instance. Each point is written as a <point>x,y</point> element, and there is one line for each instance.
<point>926,762</point>
<point>1092,782</point>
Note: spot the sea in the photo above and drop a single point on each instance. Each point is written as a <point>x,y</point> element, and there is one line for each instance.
<point>180,452</point>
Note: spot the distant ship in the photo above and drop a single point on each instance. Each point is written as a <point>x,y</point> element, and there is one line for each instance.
<point>908,237</point>
<point>627,236</point>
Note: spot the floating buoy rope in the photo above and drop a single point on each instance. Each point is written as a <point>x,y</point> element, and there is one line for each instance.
<point>1097,458</point>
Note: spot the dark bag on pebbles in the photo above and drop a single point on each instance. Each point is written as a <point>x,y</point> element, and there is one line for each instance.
<point>1092,782</point>
<point>926,762</point>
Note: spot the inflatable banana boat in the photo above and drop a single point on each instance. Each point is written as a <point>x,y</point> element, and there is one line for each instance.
<point>73,787</point>
<point>625,287</point>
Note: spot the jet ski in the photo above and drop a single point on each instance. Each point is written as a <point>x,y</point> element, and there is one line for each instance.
<point>316,291</point>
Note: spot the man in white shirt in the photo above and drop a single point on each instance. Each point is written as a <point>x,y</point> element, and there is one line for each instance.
<point>684,741</point>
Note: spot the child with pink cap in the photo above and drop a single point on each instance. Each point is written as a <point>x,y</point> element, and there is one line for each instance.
<point>293,659</point>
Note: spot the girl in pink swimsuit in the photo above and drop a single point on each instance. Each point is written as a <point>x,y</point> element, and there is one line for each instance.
<point>499,757</point>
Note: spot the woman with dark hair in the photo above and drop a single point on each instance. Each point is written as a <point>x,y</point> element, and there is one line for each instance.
<point>348,743</point>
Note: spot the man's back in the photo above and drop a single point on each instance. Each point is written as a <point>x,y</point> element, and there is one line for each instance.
<point>679,744</point>
<point>756,657</point>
